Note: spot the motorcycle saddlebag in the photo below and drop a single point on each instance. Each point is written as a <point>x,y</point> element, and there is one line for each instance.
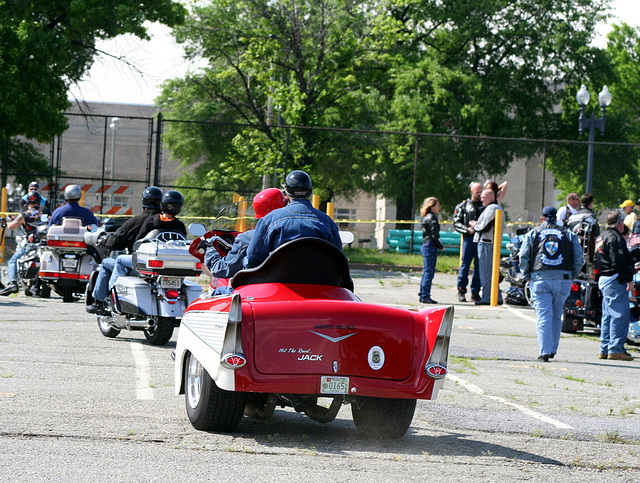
<point>133,296</point>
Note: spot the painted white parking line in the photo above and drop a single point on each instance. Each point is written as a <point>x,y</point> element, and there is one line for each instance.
<point>520,314</point>
<point>144,391</point>
<point>534,414</point>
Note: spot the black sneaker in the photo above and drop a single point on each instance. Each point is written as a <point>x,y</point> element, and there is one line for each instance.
<point>543,358</point>
<point>11,288</point>
<point>461,297</point>
<point>427,300</point>
<point>475,297</point>
<point>98,307</point>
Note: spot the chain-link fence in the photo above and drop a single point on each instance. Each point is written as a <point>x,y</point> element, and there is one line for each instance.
<point>376,180</point>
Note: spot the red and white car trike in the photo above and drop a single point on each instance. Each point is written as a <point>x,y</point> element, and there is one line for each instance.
<point>293,332</point>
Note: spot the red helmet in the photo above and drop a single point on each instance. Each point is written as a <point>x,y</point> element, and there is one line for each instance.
<point>268,200</point>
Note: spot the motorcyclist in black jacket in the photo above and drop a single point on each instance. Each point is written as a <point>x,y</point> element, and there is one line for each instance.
<point>123,238</point>
<point>615,266</point>
<point>468,210</point>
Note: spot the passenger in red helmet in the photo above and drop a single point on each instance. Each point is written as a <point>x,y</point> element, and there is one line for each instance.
<point>226,267</point>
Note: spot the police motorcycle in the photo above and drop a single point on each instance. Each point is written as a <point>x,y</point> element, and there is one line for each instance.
<point>153,297</point>
<point>519,292</point>
<point>583,307</point>
<point>66,263</point>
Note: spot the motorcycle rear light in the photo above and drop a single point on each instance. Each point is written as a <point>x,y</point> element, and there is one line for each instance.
<point>155,263</point>
<point>66,243</point>
<point>578,303</point>
<point>636,293</point>
<point>171,294</point>
<point>575,287</point>
<point>198,265</point>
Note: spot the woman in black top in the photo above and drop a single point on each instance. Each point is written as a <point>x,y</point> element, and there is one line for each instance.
<point>430,245</point>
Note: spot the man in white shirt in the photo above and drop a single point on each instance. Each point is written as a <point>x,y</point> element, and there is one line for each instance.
<point>571,208</point>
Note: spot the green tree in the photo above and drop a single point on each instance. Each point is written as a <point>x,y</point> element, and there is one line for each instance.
<point>616,166</point>
<point>270,63</point>
<point>21,157</point>
<point>460,67</point>
<point>493,68</point>
<point>45,46</point>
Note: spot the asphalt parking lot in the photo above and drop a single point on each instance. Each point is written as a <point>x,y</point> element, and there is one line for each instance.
<point>67,394</point>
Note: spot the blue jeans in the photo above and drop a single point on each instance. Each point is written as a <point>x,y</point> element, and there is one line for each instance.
<point>101,288</point>
<point>614,326</point>
<point>469,254</point>
<point>12,265</point>
<point>485,257</point>
<point>548,299</point>
<point>429,257</point>
<point>124,263</point>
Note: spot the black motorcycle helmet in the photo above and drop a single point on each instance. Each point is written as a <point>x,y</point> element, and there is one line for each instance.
<point>151,198</point>
<point>297,184</point>
<point>33,198</point>
<point>172,202</point>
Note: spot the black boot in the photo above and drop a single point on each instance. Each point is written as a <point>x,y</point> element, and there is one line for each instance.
<point>98,307</point>
<point>12,287</point>
<point>461,297</point>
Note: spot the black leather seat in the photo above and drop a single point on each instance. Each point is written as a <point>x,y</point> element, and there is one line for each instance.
<point>305,260</point>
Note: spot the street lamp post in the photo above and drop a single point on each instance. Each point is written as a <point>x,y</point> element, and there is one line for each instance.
<point>604,98</point>
<point>113,125</point>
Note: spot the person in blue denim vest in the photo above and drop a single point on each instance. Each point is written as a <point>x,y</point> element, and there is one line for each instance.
<point>296,220</point>
<point>550,257</point>
<point>615,265</point>
<point>431,243</point>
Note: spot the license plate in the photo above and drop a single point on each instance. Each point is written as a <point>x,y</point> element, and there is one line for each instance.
<point>334,385</point>
<point>170,282</point>
<point>69,263</point>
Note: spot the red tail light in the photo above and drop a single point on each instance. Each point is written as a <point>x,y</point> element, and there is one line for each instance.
<point>575,287</point>
<point>68,244</point>
<point>199,266</point>
<point>171,294</point>
<point>636,293</point>
<point>578,303</point>
<point>154,263</point>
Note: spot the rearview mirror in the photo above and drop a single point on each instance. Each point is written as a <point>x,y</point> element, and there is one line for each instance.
<point>197,229</point>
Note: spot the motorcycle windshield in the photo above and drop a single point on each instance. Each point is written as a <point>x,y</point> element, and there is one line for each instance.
<point>238,216</point>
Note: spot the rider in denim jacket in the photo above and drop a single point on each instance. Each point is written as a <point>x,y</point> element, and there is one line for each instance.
<point>296,220</point>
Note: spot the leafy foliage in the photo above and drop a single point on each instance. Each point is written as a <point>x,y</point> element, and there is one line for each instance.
<point>47,45</point>
<point>21,157</point>
<point>491,68</point>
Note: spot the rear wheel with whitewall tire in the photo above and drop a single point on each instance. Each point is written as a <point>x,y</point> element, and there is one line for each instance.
<point>210,408</point>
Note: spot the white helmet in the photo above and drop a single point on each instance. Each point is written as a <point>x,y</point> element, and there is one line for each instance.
<point>72,192</point>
